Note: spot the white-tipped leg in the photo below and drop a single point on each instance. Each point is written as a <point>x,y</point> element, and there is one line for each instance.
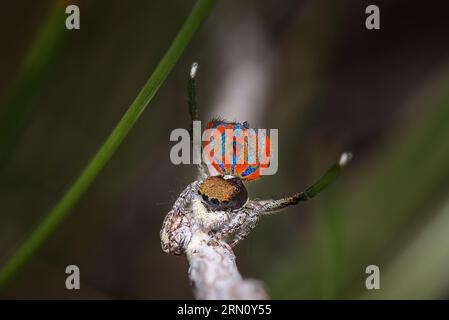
<point>270,206</point>
<point>193,110</point>
<point>345,158</point>
<point>193,70</point>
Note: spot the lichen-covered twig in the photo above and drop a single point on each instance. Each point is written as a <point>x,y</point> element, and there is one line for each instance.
<point>213,271</point>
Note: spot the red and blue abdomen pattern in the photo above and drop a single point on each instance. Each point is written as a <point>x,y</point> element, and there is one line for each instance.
<point>235,149</point>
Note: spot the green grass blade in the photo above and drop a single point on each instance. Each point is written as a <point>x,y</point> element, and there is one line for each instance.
<point>79,187</point>
<point>16,102</point>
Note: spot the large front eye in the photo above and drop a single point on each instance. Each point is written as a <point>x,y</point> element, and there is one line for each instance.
<point>219,194</point>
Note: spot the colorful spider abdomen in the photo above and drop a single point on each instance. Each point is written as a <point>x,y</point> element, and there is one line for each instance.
<point>235,149</point>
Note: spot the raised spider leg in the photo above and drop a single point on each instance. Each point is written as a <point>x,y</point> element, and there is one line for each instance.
<point>271,206</point>
<point>182,204</point>
<point>175,233</point>
<point>194,116</point>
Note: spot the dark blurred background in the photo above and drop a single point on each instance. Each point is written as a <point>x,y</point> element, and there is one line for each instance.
<point>309,68</point>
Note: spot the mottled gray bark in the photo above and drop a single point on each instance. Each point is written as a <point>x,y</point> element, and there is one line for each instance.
<point>214,274</point>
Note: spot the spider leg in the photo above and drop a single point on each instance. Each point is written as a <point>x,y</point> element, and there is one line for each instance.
<point>191,90</point>
<point>238,228</point>
<point>270,206</point>
<point>176,233</point>
<point>194,115</point>
<point>252,217</point>
<point>237,220</point>
<point>182,204</point>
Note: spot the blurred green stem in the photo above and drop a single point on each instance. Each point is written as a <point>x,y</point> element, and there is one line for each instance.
<point>16,104</point>
<point>425,260</point>
<point>79,187</point>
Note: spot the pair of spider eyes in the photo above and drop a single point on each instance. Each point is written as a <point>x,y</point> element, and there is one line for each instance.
<point>219,194</point>
<point>213,200</point>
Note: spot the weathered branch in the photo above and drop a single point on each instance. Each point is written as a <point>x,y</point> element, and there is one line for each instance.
<point>213,271</point>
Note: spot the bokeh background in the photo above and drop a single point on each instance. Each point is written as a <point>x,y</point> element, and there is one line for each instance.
<point>309,68</point>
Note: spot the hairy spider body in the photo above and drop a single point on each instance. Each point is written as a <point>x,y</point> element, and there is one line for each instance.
<point>221,219</point>
<point>208,221</point>
<point>192,211</point>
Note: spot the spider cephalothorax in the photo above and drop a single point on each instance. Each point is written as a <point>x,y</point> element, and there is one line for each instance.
<point>220,193</point>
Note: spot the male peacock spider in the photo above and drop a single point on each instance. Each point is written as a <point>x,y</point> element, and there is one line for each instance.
<point>219,206</point>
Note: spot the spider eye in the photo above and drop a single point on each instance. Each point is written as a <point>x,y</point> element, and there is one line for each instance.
<point>219,194</point>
